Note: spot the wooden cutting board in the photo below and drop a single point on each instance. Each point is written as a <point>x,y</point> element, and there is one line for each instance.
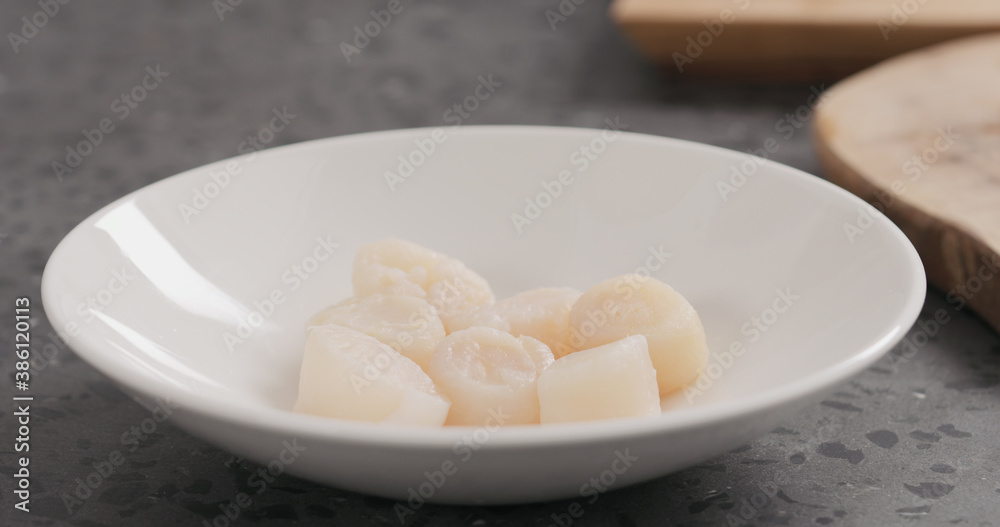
<point>918,136</point>
<point>793,39</point>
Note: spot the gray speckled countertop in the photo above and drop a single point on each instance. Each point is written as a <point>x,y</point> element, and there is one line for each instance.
<point>908,442</point>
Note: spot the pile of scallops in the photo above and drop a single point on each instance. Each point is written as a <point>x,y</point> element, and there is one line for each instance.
<point>424,342</point>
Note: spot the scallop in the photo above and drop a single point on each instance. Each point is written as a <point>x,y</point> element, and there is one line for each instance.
<point>490,376</point>
<point>399,267</point>
<point>541,313</point>
<point>640,305</point>
<point>407,324</point>
<point>347,374</point>
<point>610,381</point>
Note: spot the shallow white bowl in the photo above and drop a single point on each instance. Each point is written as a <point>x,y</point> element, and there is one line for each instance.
<point>174,267</point>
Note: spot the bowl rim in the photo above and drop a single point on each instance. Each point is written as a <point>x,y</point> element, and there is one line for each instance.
<point>285,423</point>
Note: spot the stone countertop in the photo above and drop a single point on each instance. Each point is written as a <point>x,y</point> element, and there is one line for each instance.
<point>908,442</point>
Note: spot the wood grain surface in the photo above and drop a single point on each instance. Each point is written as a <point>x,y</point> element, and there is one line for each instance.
<point>918,136</point>
<point>794,39</point>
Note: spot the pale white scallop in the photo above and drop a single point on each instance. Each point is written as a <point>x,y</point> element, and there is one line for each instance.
<point>639,305</point>
<point>610,381</point>
<point>408,324</point>
<point>490,376</point>
<point>399,267</point>
<point>541,313</point>
<point>349,375</point>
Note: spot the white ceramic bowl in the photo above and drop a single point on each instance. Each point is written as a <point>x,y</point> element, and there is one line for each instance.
<point>174,267</point>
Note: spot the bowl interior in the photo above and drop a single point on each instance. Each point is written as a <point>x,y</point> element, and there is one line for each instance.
<point>201,283</point>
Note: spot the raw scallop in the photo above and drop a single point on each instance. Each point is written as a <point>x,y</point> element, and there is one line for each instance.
<point>639,305</point>
<point>490,376</point>
<point>606,382</point>
<point>349,375</point>
<point>399,267</point>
